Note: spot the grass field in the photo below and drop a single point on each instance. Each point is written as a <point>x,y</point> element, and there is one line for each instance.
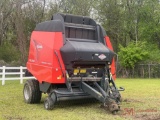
<point>141,101</point>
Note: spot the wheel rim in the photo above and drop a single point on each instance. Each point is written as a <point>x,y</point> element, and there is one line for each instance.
<point>26,92</point>
<point>46,104</point>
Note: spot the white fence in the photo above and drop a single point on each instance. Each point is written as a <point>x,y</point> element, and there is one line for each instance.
<point>6,75</point>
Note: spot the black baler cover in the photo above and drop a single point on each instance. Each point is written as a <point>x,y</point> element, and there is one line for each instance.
<point>85,52</point>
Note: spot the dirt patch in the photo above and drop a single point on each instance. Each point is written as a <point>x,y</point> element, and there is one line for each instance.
<point>13,118</point>
<point>147,117</point>
<point>131,100</point>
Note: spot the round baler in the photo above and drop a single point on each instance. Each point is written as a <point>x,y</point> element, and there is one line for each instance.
<point>71,57</point>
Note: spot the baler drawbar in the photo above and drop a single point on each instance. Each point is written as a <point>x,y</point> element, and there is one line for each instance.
<point>70,58</point>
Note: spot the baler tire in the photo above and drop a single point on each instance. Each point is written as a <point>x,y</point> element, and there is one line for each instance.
<point>31,92</point>
<point>49,103</point>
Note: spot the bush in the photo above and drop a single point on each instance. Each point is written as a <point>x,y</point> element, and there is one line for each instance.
<point>132,54</point>
<point>9,53</point>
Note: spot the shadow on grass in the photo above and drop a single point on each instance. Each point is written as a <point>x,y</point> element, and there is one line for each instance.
<point>73,103</point>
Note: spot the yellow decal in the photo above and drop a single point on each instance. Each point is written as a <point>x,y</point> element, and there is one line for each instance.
<point>76,71</point>
<point>83,71</point>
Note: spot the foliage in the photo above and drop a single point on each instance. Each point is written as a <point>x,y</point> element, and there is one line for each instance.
<point>132,54</point>
<point>130,20</point>
<point>77,7</point>
<point>154,53</point>
<point>9,53</point>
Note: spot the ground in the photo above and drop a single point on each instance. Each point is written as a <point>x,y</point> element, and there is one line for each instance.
<point>141,101</point>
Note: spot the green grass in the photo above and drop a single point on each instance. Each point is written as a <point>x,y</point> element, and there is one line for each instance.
<point>140,95</point>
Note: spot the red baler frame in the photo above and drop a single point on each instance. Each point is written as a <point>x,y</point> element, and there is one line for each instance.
<point>43,62</point>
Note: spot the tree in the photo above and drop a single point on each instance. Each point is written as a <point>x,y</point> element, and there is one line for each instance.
<point>125,21</point>
<point>110,15</point>
<point>6,8</point>
<point>77,7</point>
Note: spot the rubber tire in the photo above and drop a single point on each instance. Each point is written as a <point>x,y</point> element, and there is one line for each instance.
<point>31,92</point>
<point>49,103</point>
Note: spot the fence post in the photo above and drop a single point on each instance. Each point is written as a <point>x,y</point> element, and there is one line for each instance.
<point>149,70</point>
<point>21,75</point>
<point>3,75</point>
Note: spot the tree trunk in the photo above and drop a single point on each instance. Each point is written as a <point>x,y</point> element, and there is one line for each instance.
<point>21,38</point>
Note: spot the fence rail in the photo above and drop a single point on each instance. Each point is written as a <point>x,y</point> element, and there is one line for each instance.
<point>139,71</point>
<point>8,73</point>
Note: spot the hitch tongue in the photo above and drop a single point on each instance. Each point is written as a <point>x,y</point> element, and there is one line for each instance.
<point>101,96</point>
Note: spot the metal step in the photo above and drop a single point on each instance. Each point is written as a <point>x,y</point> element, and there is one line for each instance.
<point>85,78</point>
